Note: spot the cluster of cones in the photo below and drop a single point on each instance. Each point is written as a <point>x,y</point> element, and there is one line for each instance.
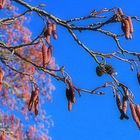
<point>104,68</point>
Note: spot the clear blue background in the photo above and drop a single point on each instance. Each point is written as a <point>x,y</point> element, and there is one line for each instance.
<point>93,117</point>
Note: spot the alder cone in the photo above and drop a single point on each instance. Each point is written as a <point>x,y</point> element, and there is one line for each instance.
<point>109,69</point>
<point>100,70</point>
<point>134,115</point>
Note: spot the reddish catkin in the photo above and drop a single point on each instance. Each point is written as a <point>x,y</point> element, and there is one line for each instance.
<point>1,78</point>
<point>125,90</point>
<point>124,104</point>
<point>69,98</point>
<point>44,55</point>
<point>120,12</point>
<point>30,104</point>
<point>130,24</point>
<point>126,28</point>
<point>71,91</point>
<point>137,108</point>
<point>36,104</point>
<point>34,101</point>
<point>134,115</point>
<point>118,102</point>
<point>49,55</point>
<point>54,31</point>
<point>2,3</point>
<point>49,28</point>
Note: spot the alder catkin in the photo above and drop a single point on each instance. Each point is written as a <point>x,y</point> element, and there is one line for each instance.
<point>138,77</point>
<point>54,31</point>
<point>126,28</point>
<point>30,104</point>
<point>2,3</point>
<point>134,115</point>
<point>1,78</point>
<point>118,102</point>
<point>130,24</point>
<point>49,55</point>
<point>49,28</point>
<point>36,104</point>
<point>44,55</point>
<point>124,104</point>
<point>125,90</point>
<point>137,108</point>
<point>120,12</point>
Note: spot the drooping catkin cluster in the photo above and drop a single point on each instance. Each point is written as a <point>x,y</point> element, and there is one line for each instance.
<point>46,55</point>
<point>104,68</point>
<point>2,3</point>
<point>50,30</point>
<point>34,101</point>
<point>70,94</point>
<point>126,24</point>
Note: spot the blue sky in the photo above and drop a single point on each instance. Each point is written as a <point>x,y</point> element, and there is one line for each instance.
<point>94,117</point>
